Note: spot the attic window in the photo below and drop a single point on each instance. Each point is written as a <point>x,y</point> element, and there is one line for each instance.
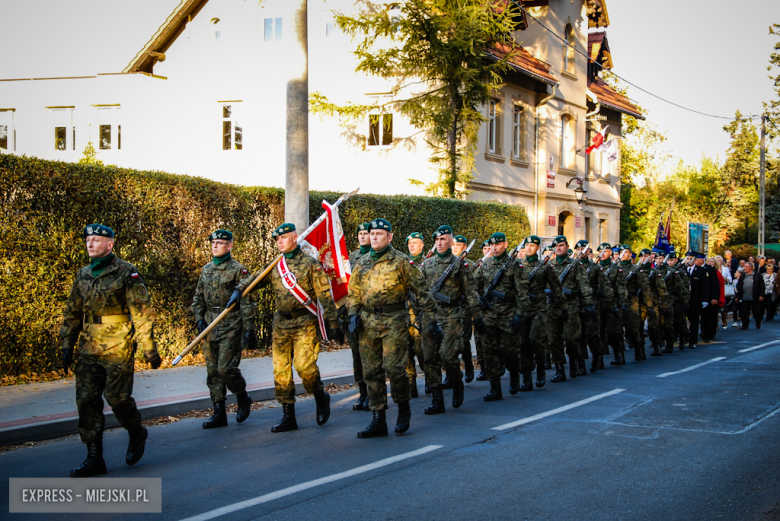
<point>217,34</point>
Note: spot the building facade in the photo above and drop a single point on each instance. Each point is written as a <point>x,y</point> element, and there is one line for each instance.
<point>206,97</point>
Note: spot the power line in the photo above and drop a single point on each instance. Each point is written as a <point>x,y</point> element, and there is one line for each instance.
<point>752,116</point>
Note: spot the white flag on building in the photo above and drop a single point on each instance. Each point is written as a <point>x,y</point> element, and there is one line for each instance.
<point>610,148</point>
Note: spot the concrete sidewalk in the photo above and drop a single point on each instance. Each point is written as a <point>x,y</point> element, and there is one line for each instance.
<point>38,411</point>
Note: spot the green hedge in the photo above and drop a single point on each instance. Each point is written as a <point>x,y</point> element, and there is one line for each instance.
<point>162,223</point>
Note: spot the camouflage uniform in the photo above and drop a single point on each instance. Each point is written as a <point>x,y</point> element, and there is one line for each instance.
<point>672,284</point>
<point>378,292</point>
<point>534,311</point>
<point>605,295</point>
<point>222,347</point>
<point>575,288</point>
<point>680,285</point>
<point>635,282</point>
<point>460,283</point>
<point>659,322</point>
<point>107,313</point>
<point>415,338</point>
<point>295,338</point>
<point>354,338</point>
<point>478,340</point>
<point>500,343</point>
<point>611,326</point>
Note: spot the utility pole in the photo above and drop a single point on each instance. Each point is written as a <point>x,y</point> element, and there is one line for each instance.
<point>296,185</point>
<point>762,199</point>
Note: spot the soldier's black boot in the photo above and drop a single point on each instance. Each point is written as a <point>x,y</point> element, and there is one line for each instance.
<point>548,361</point>
<point>362,403</point>
<point>323,407</point>
<point>94,465</point>
<point>469,372</point>
<point>572,367</point>
<point>656,351</point>
<point>528,383</point>
<point>427,385</point>
<point>413,392</point>
<point>481,376</point>
<point>437,403</point>
<point>288,421</point>
<point>597,359</point>
<point>620,357</point>
<point>447,382</point>
<point>377,427</point>
<point>669,347</point>
<point>219,418</point>
<point>514,382</point>
<point>560,373</point>
<point>682,344</point>
<point>136,445</point>
<point>244,406</point>
<point>404,417</point>
<point>495,391</point>
<point>457,393</point>
<point>581,369</point>
<point>541,376</point>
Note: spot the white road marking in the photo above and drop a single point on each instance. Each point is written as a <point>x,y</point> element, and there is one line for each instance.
<point>556,411</point>
<point>310,484</point>
<point>758,346</point>
<point>691,368</point>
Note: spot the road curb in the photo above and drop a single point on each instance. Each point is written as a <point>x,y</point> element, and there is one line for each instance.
<point>63,427</point>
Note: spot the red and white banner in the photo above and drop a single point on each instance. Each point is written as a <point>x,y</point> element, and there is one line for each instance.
<point>291,283</point>
<point>327,244</point>
<point>598,139</point>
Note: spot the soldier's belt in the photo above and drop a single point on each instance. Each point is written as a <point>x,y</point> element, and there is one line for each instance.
<point>495,296</point>
<point>376,310</point>
<point>107,319</point>
<point>295,313</point>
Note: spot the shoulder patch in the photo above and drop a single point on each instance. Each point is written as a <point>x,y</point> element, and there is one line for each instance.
<point>134,275</point>
<point>411,261</point>
<point>466,264</point>
<point>244,272</point>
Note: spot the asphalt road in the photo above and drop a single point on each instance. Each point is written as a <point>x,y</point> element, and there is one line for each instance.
<point>623,443</point>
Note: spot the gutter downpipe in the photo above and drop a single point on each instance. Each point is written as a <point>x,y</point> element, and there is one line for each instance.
<point>540,102</point>
<point>598,105</point>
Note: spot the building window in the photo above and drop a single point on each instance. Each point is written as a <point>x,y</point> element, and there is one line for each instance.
<point>232,131</point>
<point>64,130</point>
<point>492,126</point>
<point>587,230</point>
<point>332,30</point>
<point>568,50</point>
<point>214,31</point>
<point>518,147</point>
<point>273,29</point>
<point>380,130</point>
<point>7,131</point>
<point>602,223</point>
<point>567,141</point>
<point>593,161</point>
<point>109,129</point>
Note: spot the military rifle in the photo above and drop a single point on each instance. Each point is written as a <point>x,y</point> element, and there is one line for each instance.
<point>562,278</point>
<point>435,290</point>
<point>536,269</point>
<point>491,289</point>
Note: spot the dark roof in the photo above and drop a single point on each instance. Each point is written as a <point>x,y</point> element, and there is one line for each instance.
<point>597,14</point>
<point>598,49</point>
<point>613,99</point>
<point>524,62</point>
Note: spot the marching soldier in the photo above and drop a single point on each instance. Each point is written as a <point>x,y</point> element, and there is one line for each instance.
<point>458,245</point>
<point>107,311</point>
<point>478,339</point>
<point>540,279</point>
<point>377,298</point>
<point>681,291</point>
<point>654,302</point>
<point>415,244</point>
<point>604,294</point>
<point>298,281</point>
<point>222,347</point>
<point>459,285</point>
<point>611,325</point>
<point>501,292</point>
<point>671,282</point>
<point>634,282</point>
<point>700,294</point>
<point>575,286</point>
<point>354,340</point>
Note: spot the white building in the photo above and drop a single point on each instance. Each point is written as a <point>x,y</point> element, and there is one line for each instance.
<point>206,97</point>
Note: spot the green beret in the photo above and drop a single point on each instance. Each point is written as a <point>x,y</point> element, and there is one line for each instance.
<point>415,235</point>
<point>497,238</point>
<point>626,247</point>
<point>645,251</point>
<point>282,229</point>
<point>604,246</point>
<point>221,234</point>
<point>533,239</point>
<point>558,240</point>
<point>547,249</point>
<point>581,243</point>
<point>486,243</point>
<point>570,251</point>
<point>442,230</point>
<point>99,230</point>
<point>362,227</point>
<point>672,254</point>
<point>460,238</point>
<point>380,224</point>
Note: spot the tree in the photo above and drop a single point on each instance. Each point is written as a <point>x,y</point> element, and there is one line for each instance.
<point>772,107</point>
<point>435,51</point>
<point>90,155</point>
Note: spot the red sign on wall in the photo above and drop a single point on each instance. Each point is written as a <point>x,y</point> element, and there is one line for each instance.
<point>578,222</point>
<point>550,183</point>
<point>551,220</point>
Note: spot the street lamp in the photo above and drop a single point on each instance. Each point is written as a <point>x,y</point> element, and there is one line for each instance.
<point>579,191</point>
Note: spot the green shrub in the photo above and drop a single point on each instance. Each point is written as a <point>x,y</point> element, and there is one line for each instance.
<point>162,222</point>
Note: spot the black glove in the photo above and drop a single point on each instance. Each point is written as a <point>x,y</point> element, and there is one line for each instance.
<point>565,314</point>
<point>250,339</point>
<point>517,323</point>
<point>436,333</point>
<point>480,326</point>
<point>201,325</point>
<point>67,359</point>
<point>154,359</point>
<point>354,324</point>
<point>591,310</point>
<point>336,335</point>
<point>235,298</point>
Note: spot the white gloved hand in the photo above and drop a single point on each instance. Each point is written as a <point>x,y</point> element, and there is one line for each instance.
<point>703,304</point>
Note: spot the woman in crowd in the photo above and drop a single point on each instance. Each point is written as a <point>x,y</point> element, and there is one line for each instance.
<point>770,295</point>
<point>719,297</point>
<point>734,304</point>
<point>727,289</point>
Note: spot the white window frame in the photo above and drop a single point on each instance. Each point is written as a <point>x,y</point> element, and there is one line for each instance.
<point>380,138</point>
<point>517,131</point>
<point>569,50</point>
<point>115,128</point>
<point>567,141</point>
<point>10,130</point>
<point>236,130</point>
<point>276,26</point>
<point>67,114</point>
<point>492,127</point>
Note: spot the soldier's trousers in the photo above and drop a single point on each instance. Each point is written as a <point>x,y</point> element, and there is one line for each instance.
<point>385,350</point>
<point>611,329</point>
<point>590,335</point>
<point>300,346</point>
<point>532,341</point>
<point>111,375</point>
<point>568,335</point>
<point>445,355</point>
<point>222,359</point>
<point>357,365</point>
<point>653,323</point>
<point>415,350</point>
<point>633,324</point>
<point>500,345</point>
<point>466,327</point>
<point>680,324</point>
<point>667,325</point>
<point>480,349</point>
<point>694,314</point>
